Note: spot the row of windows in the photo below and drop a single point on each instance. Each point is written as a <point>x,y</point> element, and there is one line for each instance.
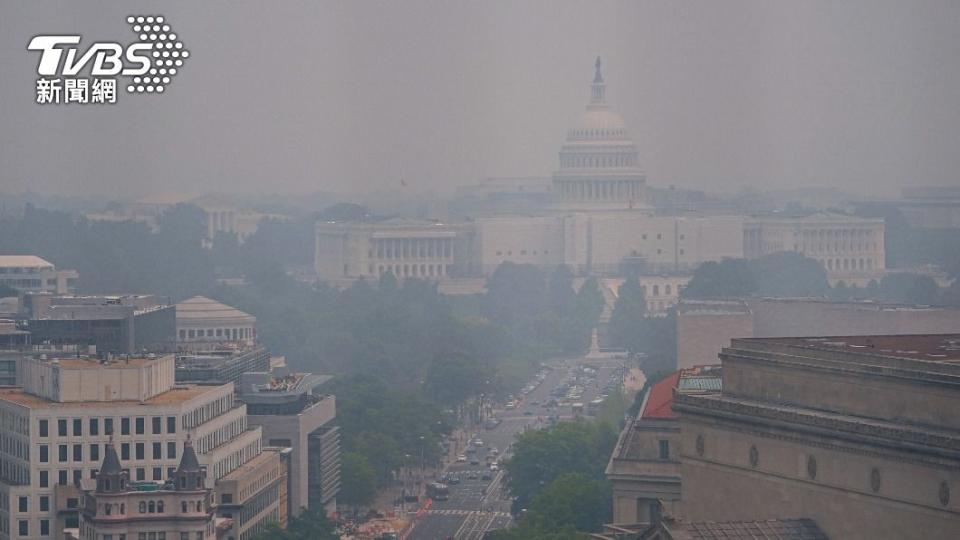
<point>88,533</point>
<point>23,503</point>
<point>522,252</point>
<point>23,527</point>
<point>63,475</point>
<point>16,423</point>
<point>75,452</point>
<point>223,333</point>
<point>207,411</point>
<point>93,426</point>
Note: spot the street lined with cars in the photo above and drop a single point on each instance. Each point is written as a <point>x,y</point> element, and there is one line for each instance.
<point>478,500</point>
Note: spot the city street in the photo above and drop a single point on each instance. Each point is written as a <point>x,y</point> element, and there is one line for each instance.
<point>475,505</point>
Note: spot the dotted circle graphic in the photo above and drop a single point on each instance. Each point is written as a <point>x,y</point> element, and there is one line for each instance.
<point>167,52</point>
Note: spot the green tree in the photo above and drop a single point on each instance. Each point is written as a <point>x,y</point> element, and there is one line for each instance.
<point>358,481</point>
<point>572,500</point>
<point>541,456</point>
<point>310,525</point>
<point>789,273</point>
<point>628,316</point>
<point>909,288</point>
<point>729,277</point>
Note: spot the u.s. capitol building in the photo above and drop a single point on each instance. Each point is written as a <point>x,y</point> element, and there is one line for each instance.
<point>600,222</point>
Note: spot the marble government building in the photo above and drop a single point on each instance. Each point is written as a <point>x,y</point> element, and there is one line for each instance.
<point>600,221</point>
<point>855,436</point>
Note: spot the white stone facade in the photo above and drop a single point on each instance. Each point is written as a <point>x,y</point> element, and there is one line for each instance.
<point>850,248</point>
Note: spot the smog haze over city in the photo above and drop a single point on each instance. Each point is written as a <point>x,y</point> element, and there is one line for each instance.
<point>479,270</point>
<point>351,96</point>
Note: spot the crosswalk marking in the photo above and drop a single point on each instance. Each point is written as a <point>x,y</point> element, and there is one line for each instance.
<point>453,512</point>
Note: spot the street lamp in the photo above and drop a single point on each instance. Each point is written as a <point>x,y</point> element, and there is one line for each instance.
<point>420,481</point>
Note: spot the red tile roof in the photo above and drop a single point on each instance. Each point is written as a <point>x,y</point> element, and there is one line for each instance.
<point>660,400</point>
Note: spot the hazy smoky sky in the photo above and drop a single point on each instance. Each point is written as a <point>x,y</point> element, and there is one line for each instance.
<point>353,95</point>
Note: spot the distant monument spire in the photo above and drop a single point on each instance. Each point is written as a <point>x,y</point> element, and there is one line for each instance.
<point>598,91</point>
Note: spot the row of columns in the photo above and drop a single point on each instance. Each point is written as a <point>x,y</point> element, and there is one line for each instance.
<point>601,190</point>
<point>412,248</point>
<point>414,270</point>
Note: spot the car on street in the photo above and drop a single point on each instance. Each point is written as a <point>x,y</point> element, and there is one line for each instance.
<point>462,458</point>
<point>487,475</point>
<point>478,442</point>
<point>494,466</point>
<point>474,460</point>
<point>472,475</point>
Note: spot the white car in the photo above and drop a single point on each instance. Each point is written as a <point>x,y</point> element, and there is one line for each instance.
<point>494,467</point>
<point>461,458</point>
<point>478,442</point>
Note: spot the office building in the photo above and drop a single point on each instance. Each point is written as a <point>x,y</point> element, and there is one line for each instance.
<point>59,422</point>
<point>29,273</point>
<point>205,324</point>
<point>858,433</point>
<point>294,413</point>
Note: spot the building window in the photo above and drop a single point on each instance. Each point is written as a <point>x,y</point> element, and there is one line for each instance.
<point>125,451</point>
<point>22,504</point>
<point>62,453</point>
<point>171,424</point>
<point>157,426</point>
<point>78,452</point>
<point>44,453</point>
<point>77,476</point>
<point>664,449</point>
<point>108,426</point>
<point>44,503</point>
<point>139,450</point>
<point>62,427</point>
<point>157,450</point>
<point>44,479</point>
<point>77,427</point>
<point>171,450</point>
<point>23,527</point>
<point>124,426</point>
<point>94,452</point>
<point>142,507</point>
<point>157,473</point>
<point>44,527</point>
<point>94,426</point>
<point>44,428</point>
<point>62,477</point>
<point>141,474</point>
<point>141,422</point>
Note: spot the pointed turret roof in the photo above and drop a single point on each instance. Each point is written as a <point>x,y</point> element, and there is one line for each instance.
<point>111,462</point>
<point>188,459</point>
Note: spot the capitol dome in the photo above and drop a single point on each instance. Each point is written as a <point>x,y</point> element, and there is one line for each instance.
<point>599,162</point>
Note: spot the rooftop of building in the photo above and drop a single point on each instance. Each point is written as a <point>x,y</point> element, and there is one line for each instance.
<point>713,306</point>
<point>814,217</point>
<point>261,459</point>
<point>24,261</point>
<point>694,380</point>
<point>201,307</point>
<point>113,361</point>
<point>780,529</point>
<point>266,384</point>
<point>178,394</point>
<point>926,348</point>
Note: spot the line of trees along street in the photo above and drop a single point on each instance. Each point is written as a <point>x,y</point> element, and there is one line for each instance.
<point>556,479</point>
